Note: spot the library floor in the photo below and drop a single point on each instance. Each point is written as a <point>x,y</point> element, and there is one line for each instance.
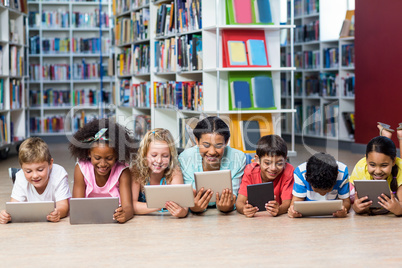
<point>210,240</point>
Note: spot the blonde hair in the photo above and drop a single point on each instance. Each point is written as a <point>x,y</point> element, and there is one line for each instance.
<point>34,150</point>
<point>139,167</point>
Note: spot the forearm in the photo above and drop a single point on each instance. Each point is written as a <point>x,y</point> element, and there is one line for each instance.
<point>240,207</point>
<point>141,208</point>
<point>63,208</point>
<point>283,208</point>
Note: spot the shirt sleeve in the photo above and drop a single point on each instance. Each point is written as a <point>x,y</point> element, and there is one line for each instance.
<point>299,186</point>
<point>343,191</point>
<point>188,174</point>
<point>246,180</point>
<point>358,171</point>
<point>236,178</point>
<point>20,187</point>
<point>62,190</point>
<point>288,183</point>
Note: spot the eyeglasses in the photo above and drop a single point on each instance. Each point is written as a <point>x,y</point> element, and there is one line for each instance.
<point>217,146</point>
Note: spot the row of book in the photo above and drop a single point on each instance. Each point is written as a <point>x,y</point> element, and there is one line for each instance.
<point>330,120</point>
<point>122,6</point>
<point>248,12</point>
<point>88,70</point>
<point>142,124</point>
<point>166,55</point>
<point>189,52</point>
<point>189,15</point>
<point>185,95</point>
<point>90,19</point>
<point>2,89</point>
<point>55,45</point>
<point>16,92</point>
<point>51,124</point>
<point>132,29</point>
<point>312,124</point>
<point>55,72</point>
<point>90,97</point>
<point>309,7</point>
<point>135,94</point>
<point>16,61</point>
<point>61,19</point>
<point>306,59</point>
<point>331,57</point>
<point>349,85</point>
<point>348,55</point>
<point>135,61</point>
<point>165,20</point>
<point>1,60</point>
<point>3,129</point>
<point>324,85</point>
<point>20,5</point>
<point>307,32</point>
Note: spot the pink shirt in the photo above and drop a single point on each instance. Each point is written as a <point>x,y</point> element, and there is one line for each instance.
<point>283,184</point>
<point>110,189</point>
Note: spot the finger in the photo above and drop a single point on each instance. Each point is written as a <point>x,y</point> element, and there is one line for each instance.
<point>205,196</point>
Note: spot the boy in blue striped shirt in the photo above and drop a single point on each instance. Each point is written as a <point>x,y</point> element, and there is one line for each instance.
<point>321,178</point>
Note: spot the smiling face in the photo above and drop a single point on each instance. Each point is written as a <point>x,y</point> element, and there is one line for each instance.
<point>37,174</point>
<point>211,146</point>
<point>271,167</point>
<point>158,156</point>
<point>379,165</point>
<point>103,159</point>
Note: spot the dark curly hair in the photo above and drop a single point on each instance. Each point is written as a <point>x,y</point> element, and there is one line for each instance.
<point>119,137</point>
<point>384,145</point>
<point>322,171</point>
<point>272,145</point>
<point>212,124</point>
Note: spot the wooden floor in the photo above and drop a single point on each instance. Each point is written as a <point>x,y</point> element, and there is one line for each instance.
<point>210,240</point>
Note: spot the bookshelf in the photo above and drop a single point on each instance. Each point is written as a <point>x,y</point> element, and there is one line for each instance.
<point>69,44</point>
<point>324,76</point>
<point>12,75</point>
<point>184,72</point>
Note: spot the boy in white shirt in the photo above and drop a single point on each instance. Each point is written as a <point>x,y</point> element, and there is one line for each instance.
<point>40,180</point>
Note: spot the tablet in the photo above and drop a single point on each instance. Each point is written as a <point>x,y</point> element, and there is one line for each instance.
<point>95,210</point>
<point>158,195</point>
<point>217,181</point>
<point>29,211</point>
<point>260,194</point>
<point>317,208</point>
<point>373,189</point>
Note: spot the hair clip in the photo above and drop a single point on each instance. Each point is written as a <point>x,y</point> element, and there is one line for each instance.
<point>98,136</point>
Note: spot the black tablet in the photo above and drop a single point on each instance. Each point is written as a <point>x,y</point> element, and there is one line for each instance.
<point>373,189</point>
<point>260,194</point>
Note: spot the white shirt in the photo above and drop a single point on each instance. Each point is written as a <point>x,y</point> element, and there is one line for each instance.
<point>57,188</point>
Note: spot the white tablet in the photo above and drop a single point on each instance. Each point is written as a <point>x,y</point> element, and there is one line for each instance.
<point>93,210</point>
<point>372,189</point>
<point>317,208</point>
<point>217,181</point>
<point>158,195</point>
<point>29,211</point>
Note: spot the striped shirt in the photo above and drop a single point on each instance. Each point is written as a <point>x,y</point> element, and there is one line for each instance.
<point>303,189</point>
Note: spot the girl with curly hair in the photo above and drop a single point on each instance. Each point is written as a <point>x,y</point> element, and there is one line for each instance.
<point>101,147</point>
<point>156,164</point>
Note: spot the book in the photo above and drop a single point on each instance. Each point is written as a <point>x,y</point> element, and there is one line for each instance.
<point>263,92</point>
<point>237,53</point>
<point>349,119</point>
<point>262,9</point>
<point>250,133</point>
<point>240,94</point>
<point>345,28</point>
<point>256,52</point>
<point>242,11</point>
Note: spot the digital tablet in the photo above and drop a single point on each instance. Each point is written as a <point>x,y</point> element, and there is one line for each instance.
<point>93,210</point>
<point>29,211</point>
<point>373,189</point>
<point>217,181</point>
<point>260,194</point>
<point>317,208</point>
<point>158,195</point>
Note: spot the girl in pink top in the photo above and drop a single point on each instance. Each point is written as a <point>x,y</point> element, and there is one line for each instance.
<point>99,145</point>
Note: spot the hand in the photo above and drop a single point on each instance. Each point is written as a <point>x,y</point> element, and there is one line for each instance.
<point>54,216</point>
<point>4,217</point>
<point>293,213</point>
<point>120,215</point>
<point>201,200</point>
<point>226,202</point>
<point>272,207</point>
<point>390,204</point>
<point>249,210</point>
<point>175,209</point>
<point>341,213</point>
<point>360,206</point>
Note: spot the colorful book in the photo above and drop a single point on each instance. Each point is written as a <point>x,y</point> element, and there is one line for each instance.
<point>256,52</point>
<point>242,11</point>
<point>250,132</point>
<point>262,10</point>
<point>240,94</point>
<point>263,92</point>
<point>237,53</point>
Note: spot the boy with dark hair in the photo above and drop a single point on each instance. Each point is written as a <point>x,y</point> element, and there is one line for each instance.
<point>321,178</point>
<point>270,166</point>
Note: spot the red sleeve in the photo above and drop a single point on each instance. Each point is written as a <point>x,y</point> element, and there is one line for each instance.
<point>246,180</point>
<point>288,181</point>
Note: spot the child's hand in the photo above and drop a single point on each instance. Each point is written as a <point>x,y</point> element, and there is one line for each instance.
<point>359,206</point>
<point>249,210</point>
<point>120,215</point>
<point>226,202</point>
<point>54,216</point>
<point>175,209</point>
<point>390,204</point>
<point>201,200</point>
<point>4,217</point>
<point>293,213</point>
<point>272,207</point>
<point>341,213</point>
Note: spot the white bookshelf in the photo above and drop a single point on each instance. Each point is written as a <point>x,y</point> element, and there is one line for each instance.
<point>68,109</point>
<point>213,75</point>
<point>12,73</point>
<point>330,16</point>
